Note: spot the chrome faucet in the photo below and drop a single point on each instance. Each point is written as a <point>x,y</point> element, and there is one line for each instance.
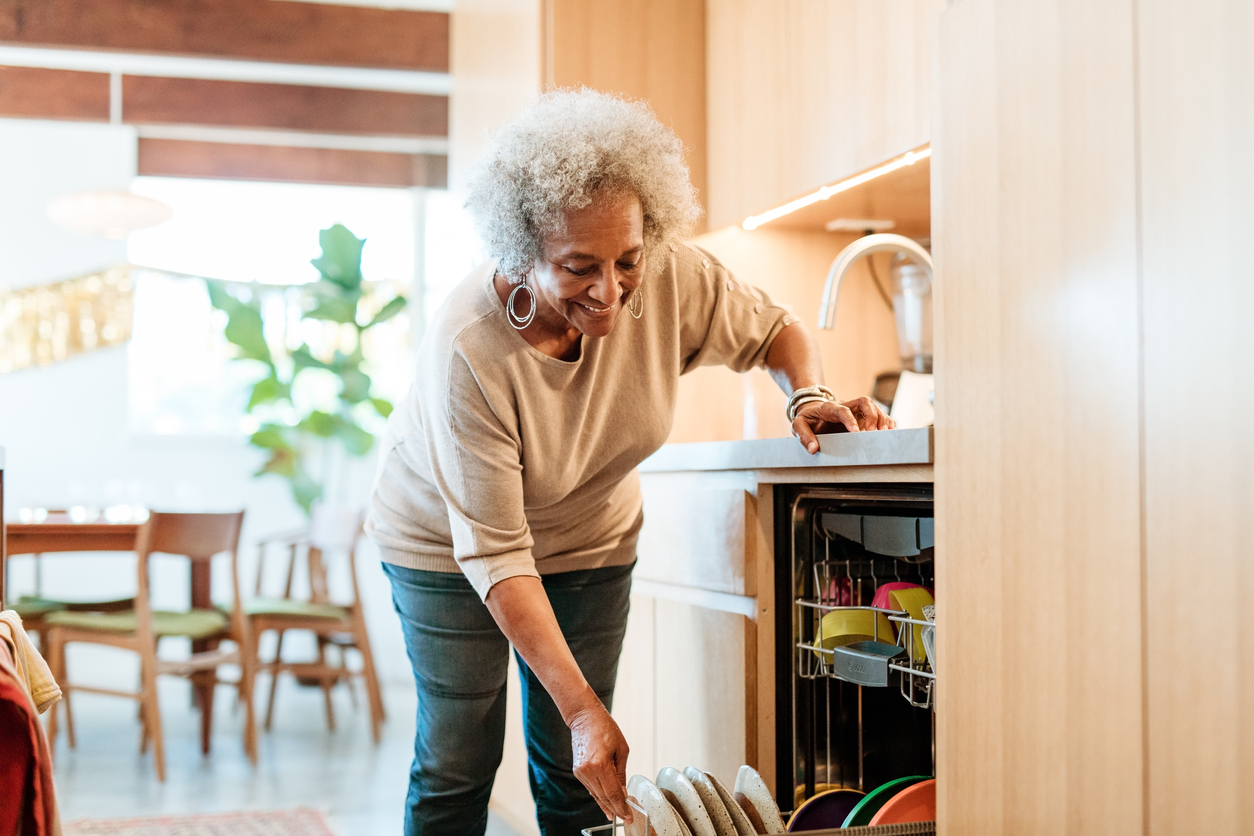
<point>883,242</point>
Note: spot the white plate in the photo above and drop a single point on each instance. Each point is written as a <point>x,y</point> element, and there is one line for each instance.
<point>663,820</point>
<point>684,797</point>
<point>744,827</point>
<point>714,806</point>
<point>756,799</point>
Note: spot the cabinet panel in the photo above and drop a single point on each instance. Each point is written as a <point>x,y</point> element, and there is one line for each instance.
<point>700,686</point>
<point>496,66</point>
<point>1196,125</point>
<point>694,533</point>
<point>634,693</point>
<point>804,92</point>
<point>647,49</point>
<point>1037,455</point>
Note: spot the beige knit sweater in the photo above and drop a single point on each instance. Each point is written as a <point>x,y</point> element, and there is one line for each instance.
<point>503,461</point>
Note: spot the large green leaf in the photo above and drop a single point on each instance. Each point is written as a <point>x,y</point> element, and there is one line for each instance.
<point>282,462</point>
<point>319,423</point>
<point>335,309</point>
<point>356,440</point>
<point>391,309</point>
<point>340,261</point>
<point>219,297</point>
<point>245,329</point>
<point>381,406</point>
<point>356,385</point>
<point>305,490</point>
<point>268,390</point>
<point>271,437</point>
<point>302,358</point>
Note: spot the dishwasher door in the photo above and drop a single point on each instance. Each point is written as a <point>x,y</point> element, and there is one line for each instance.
<point>835,545</point>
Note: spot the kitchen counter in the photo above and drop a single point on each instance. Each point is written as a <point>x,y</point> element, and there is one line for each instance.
<point>865,449</point>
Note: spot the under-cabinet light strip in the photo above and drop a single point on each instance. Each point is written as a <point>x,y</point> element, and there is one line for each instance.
<point>909,158</point>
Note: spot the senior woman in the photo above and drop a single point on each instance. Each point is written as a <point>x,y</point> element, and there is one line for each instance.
<point>507,504</point>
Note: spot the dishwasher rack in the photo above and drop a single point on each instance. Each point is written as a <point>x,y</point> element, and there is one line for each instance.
<point>834,731</point>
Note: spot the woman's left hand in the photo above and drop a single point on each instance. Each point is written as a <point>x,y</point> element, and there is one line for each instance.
<point>600,759</point>
<point>847,416</point>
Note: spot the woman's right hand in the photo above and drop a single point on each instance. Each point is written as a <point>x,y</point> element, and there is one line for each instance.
<point>600,755</point>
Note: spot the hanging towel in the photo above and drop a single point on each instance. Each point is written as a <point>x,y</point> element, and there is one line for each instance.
<point>31,668</point>
<point>28,801</point>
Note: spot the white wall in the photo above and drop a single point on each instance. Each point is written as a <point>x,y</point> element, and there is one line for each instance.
<point>64,426</point>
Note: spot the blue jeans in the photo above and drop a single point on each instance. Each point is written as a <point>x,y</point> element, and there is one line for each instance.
<point>460,660</point>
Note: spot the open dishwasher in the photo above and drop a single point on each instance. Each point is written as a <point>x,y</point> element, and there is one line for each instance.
<point>851,715</point>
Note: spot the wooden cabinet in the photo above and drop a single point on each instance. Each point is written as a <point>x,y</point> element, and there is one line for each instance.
<point>804,92</point>
<point>1195,129</point>
<point>772,98</point>
<point>647,49</point>
<point>683,697</point>
<point>1091,198</point>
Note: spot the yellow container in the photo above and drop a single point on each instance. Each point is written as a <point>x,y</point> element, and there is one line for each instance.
<point>853,624</point>
<point>912,601</point>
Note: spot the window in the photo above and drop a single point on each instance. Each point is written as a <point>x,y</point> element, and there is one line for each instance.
<point>181,380</point>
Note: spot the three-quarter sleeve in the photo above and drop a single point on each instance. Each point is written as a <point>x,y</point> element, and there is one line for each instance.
<point>724,320</point>
<point>476,467</point>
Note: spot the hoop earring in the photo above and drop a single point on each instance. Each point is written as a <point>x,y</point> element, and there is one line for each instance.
<point>635,304</point>
<point>520,322</point>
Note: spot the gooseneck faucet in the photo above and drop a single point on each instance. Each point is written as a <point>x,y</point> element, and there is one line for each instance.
<point>882,242</point>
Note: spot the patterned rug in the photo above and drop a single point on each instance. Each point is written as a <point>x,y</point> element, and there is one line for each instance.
<point>299,822</point>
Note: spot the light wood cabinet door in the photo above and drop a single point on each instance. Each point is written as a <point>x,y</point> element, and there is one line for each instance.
<point>635,693</point>
<point>1196,131</point>
<point>1092,185</point>
<point>804,92</point>
<point>681,695</point>
<point>646,49</point>
<point>1037,460</point>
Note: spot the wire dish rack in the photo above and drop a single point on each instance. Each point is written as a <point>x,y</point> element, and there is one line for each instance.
<point>918,676</point>
<point>869,646</point>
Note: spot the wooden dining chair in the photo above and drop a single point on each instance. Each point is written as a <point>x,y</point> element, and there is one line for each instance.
<point>34,608</point>
<point>333,531</point>
<point>199,537</point>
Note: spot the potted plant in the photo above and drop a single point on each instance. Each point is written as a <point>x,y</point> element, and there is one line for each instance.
<point>295,428</point>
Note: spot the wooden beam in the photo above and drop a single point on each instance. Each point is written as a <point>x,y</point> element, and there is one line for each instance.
<point>151,100</point>
<point>53,94</point>
<point>300,33</point>
<point>219,160</point>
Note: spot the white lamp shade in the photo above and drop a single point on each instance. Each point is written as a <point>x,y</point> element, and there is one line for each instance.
<point>107,214</point>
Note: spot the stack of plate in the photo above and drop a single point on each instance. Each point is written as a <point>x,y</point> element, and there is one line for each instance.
<point>910,799</point>
<point>695,803</point>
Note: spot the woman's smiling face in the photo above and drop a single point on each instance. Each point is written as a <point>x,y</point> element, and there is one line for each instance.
<point>587,272</point>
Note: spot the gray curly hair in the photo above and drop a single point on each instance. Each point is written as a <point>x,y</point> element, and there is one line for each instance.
<point>560,154</point>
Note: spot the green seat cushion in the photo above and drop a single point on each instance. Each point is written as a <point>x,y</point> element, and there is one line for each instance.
<point>28,606</point>
<point>289,607</point>
<point>196,624</point>
<point>33,606</point>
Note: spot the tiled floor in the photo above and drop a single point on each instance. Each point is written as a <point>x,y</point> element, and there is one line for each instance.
<point>360,786</point>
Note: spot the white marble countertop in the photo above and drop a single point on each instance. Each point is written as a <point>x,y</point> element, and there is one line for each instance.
<point>885,447</point>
